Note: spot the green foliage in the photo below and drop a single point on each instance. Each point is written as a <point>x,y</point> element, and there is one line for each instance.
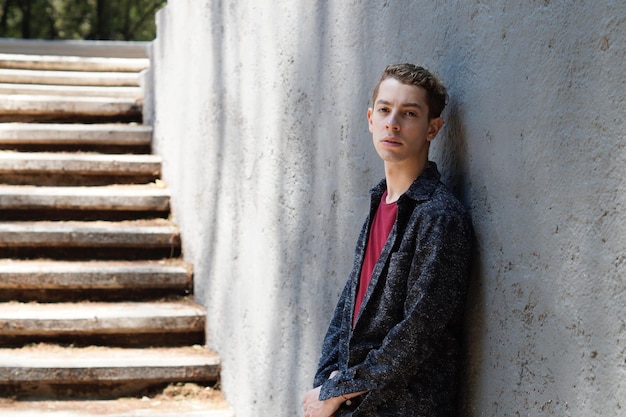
<point>79,19</point>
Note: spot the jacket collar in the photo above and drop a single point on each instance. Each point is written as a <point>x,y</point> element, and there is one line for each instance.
<point>421,189</point>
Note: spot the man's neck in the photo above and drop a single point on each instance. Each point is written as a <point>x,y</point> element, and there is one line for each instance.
<point>400,176</point>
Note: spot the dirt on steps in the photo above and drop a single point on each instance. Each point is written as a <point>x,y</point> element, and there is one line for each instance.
<point>180,399</point>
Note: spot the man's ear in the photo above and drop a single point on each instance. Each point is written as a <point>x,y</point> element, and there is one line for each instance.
<point>434,126</point>
<point>369,119</point>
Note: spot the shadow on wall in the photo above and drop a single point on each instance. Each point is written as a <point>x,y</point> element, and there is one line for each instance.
<point>451,154</point>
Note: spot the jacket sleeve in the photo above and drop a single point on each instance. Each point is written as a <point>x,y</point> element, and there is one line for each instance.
<point>435,290</point>
<point>329,356</point>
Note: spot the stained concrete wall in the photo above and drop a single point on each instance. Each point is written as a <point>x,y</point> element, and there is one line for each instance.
<point>260,115</point>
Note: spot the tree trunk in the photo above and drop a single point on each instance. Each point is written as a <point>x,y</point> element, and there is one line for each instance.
<point>26,9</point>
<point>3,17</point>
<point>104,25</point>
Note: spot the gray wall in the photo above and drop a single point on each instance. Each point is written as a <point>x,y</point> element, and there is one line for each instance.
<point>260,115</point>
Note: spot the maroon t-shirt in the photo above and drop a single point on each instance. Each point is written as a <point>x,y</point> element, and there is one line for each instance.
<point>382,224</point>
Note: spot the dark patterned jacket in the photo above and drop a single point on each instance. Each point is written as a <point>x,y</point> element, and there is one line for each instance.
<point>404,349</point>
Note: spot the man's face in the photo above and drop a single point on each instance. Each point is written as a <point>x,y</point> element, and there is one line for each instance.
<point>399,123</point>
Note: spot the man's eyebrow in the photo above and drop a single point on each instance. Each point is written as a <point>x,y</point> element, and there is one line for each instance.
<point>387,103</point>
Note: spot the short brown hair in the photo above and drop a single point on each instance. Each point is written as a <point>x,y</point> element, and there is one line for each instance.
<point>436,93</point>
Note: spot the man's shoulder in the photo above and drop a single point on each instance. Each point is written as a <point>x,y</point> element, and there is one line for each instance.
<point>442,195</point>
<point>443,202</point>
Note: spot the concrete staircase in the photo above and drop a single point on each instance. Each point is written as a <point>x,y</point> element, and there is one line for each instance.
<point>96,313</point>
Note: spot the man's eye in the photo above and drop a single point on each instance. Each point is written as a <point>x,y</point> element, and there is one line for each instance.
<point>411,114</point>
<point>383,110</point>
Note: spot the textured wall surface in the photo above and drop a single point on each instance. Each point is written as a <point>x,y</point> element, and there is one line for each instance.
<point>260,115</point>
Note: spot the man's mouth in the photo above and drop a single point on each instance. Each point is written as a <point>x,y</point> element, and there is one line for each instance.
<point>391,140</point>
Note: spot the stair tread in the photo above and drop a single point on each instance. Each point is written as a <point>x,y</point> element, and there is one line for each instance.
<point>99,310</point>
<point>70,156</point>
<point>156,225</point>
<point>68,133</point>
<point>26,76</point>
<point>153,233</point>
<point>100,317</point>
<point>66,128</point>
<point>66,106</point>
<point>20,99</point>
<point>121,190</point>
<point>126,407</point>
<point>34,266</point>
<point>159,406</point>
<point>70,90</point>
<point>103,363</point>
<point>93,163</point>
<point>82,48</point>
<point>93,225</point>
<point>49,274</point>
<point>73,63</point>
<point>109,197</point>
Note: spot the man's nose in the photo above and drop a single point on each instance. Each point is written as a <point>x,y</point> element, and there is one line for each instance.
<point>392,122</point>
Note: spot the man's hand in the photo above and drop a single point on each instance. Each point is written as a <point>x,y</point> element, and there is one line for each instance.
<point>313,407</point>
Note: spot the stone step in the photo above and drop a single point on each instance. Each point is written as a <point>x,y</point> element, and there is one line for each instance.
<point>184,405</point>
<point>116,197</point>
<point>70,90</point>
<point>62,281</point>
<point>94,275</point>
<point>75,234</point>
<point>100,318</point>
<point>72,63</point>
<point>88,48</point>
<point>51,371</point>
<point>75,134</point>
<point>92,78</point>
<point>62,108</point>
<point>52,168</point>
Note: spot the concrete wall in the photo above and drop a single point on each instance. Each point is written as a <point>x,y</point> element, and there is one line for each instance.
<point>260,115</point>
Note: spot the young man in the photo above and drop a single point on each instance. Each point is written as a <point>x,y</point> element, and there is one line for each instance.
<point>392,347</point>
